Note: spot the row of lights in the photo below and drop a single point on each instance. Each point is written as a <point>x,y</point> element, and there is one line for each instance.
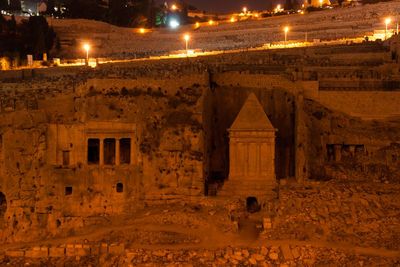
<point>186,37</point>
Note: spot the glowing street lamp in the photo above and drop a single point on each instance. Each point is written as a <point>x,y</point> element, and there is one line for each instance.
<point>187,37</point>
<point>141,30</point>
<point>174,24</point>
<point>286,31</point>
<point>211,22</point>
<point>197,25</point>
<point>387,21</point>
<point>320,3</point>
<point>87,48</point>
<point>245,10</point>
<point>232,19</point>
<point>174,7</point>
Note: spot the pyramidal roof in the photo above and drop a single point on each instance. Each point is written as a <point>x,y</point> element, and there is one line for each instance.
<point>252,117</point>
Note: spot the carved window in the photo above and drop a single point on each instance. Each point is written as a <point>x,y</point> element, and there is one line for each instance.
<point>120,188</point>
<point>68,190</point>
<point>109,151</point>
<point>93,151</point>
<point>125,151</point>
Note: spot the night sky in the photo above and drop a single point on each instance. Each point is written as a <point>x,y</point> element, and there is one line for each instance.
<point>224,6</point>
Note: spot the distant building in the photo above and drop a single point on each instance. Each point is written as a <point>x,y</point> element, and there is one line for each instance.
<point>316,3</point>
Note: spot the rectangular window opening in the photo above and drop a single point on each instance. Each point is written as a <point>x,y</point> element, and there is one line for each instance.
<point>68,190</point>
<point>125,151</point>
<point>93,151</point>
<point>109,151</point>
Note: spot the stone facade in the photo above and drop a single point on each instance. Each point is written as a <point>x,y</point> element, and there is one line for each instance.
<point>251,154</point>
<point>61,129</point>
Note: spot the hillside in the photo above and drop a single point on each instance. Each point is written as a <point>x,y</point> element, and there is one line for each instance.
<point>111,41</point>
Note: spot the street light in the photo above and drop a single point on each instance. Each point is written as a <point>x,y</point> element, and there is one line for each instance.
<point>245,10</point>
<point>87,47</point>
<point>187,37</point>
<point>387,21</point>
<point>320,3</point>
<point>286,31</point>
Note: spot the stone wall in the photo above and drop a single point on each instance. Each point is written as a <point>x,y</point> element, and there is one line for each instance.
<point>45,176</point>
<point>176,114</point>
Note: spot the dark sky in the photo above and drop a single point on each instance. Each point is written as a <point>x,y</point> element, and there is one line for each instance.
<point>224,6</point>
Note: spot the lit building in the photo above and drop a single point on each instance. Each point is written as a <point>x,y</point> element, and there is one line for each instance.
<point>316,3</point>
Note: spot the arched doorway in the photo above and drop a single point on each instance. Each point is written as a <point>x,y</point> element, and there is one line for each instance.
<point>252,204</point>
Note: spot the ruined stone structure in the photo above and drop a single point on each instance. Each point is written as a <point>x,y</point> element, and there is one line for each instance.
<point>251,154</point>
<point>78,145</point>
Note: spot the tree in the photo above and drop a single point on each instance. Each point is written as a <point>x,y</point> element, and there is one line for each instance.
<point>15,5</point>
<point>51,4</point>
<point>4,5</point>
<point>38,37</point>
<point>271,6</point>
<point>288,5</point>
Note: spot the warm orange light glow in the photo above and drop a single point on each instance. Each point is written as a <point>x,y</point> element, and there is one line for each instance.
<point>286,29</point>
<point>187,37</point>
<point>256,15</point>
<point>197,24</point>
<point>86,47</point>
<point>278,7</point>
<point>387,21</point>
<point>232,19</point>
<point>302,12</point>
<point>211,22</point>
<point>244,9</point>
<point>141,30</point>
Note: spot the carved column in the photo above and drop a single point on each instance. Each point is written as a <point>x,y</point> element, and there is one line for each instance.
<point>337,152</point>
<point>117,151</point>
<point>101,151</point>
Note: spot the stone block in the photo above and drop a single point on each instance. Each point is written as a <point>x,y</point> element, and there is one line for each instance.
<point>295,253</point>
<point>116,249</point>
<point>56,252</point>
<point>82,251</point>
<point>267,224</point>
<point>15,253</point>
<point>70,250</point>
<point>95,250</point>
<point>273,256</point>
<point>104,248</point>
<point>37,253</point>
<point>264,251</point>
<point>286,252</point>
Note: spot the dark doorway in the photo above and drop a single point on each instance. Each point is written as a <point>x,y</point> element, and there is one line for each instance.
<point>109,151</point>
<point>68,190</point>
<point>252,204</point>
<point>93,151</point>
<point>3,205</point>
<point>125,151</point>
<point>120,188</point>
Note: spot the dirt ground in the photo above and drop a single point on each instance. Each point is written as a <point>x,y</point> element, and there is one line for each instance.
<point>318,223</point>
